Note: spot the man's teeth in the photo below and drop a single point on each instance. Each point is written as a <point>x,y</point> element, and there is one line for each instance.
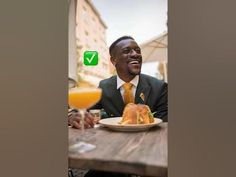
<point>134,62</point>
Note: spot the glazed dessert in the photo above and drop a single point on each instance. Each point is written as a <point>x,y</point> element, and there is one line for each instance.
<point>137,114</point>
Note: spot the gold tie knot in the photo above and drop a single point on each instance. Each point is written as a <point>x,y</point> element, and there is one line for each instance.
<point>127,86</point>
<point>128,94</point>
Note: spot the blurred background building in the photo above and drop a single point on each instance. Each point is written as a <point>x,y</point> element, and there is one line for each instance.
<point>89,32</point>
<point>90,35</point>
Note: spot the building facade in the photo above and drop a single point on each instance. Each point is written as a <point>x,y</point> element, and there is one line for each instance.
<point>91,36</point>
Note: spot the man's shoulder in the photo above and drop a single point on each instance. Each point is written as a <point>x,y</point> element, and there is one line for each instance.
<point>108,81</point>
<point>151,79</point>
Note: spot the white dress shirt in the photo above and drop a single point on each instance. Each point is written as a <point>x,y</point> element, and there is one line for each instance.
<point>120,83</point>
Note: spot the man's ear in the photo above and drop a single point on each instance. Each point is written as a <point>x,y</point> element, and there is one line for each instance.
<point>113,61</point>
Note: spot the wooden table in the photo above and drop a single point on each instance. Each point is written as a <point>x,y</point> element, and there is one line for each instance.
<point>141,153</point>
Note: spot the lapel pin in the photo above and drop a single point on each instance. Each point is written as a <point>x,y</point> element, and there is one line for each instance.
<point>142,96</point>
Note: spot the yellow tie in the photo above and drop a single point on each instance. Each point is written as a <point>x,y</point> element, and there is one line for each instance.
<point>128,94</point>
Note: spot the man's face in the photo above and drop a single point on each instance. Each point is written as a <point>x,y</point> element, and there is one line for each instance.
<point>127,58</point>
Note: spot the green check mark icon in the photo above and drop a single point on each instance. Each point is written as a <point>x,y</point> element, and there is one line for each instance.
<point>91,59</point>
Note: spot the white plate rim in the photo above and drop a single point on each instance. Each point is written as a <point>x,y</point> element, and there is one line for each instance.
<point>127,127</point>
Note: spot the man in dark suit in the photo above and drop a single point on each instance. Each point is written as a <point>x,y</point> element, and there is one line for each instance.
<point>125,55</point>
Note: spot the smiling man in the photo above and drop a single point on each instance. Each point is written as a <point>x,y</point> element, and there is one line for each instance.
<point>126,57</point>
<point>129,85</point>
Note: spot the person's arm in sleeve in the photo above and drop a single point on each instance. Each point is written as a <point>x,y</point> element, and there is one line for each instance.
<point>162,104</point>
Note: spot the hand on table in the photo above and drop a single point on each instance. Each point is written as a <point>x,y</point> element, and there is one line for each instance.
<point>74,119</point>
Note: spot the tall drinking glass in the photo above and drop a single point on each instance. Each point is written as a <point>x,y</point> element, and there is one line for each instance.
<point>83,98</point>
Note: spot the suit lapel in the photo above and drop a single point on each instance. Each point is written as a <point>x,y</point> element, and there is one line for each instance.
<point>116,96</point>
<point>143,91</point>
<point>141,96</point>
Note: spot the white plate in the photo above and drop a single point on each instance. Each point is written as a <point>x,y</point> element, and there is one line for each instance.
<point>113,124</point>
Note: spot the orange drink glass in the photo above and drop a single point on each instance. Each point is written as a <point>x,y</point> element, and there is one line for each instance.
<point>83,98</point>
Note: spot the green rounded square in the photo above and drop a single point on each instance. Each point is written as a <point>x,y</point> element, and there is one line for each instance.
<point>90,58</point>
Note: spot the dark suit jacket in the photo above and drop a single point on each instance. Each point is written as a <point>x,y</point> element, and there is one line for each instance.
<point>153,90</point>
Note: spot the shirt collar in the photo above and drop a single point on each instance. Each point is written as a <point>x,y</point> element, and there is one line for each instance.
<point>134,81</point>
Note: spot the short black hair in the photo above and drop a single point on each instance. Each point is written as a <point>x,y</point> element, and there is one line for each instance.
<point>113,45</point>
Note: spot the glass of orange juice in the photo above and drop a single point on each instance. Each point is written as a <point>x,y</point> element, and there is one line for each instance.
<point>83,98</point>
